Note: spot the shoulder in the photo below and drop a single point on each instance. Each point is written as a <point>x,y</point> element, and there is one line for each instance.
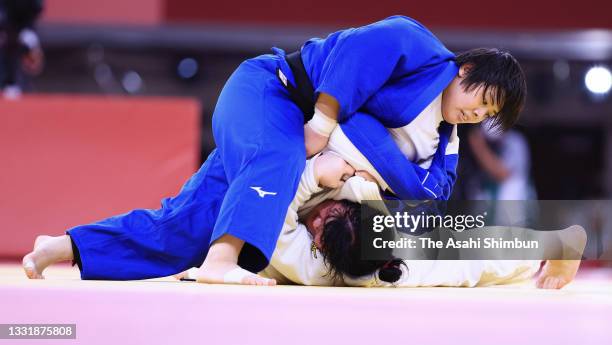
<point>395,23</point>
<point>406,31</point>
<point>403,20</point>
<point>403,23</point>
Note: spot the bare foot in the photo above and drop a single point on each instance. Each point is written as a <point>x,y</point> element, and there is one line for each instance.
<point>220,272</point>
<point>184,274</point>
<point>47,250</point>
<point>220,265</point>
<point>32,264</point>
<point>189,274</point>
<point>558,273</point>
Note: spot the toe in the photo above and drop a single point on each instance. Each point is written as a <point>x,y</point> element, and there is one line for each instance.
<point>250,280</point>
<point>540,281</point>
<point>552,283</point>
<point>179,276</point>
<point>548,283</point>
<point>29,267</point>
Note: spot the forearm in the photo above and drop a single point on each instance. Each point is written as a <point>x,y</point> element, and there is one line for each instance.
<point>322,124</point>
<point>486,158</point>
<point>328,105</point>
<point>491,164</point>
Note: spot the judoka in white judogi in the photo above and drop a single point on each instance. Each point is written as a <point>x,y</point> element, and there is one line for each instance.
<point>293,261</point>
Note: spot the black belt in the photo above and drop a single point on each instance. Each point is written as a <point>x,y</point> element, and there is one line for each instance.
<point>302,94</point>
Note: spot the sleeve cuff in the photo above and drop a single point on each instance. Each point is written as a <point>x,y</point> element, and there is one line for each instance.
<point>309,175</point>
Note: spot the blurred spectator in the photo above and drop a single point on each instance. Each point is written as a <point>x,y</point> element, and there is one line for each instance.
<point>503,164</point>
<point>504,158</point>
<point>20,51</point>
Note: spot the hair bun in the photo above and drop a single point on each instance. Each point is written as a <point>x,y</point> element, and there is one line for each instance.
<point>391,272</point>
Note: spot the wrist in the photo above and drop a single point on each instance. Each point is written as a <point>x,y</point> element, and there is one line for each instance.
<point>321,124</point>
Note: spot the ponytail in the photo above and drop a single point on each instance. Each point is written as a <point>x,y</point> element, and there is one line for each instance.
<point>391,271</point>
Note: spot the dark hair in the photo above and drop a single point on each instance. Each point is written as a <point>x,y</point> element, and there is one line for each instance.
<point>497,69</point>
<point>341,247</point>
<point>391,271</point>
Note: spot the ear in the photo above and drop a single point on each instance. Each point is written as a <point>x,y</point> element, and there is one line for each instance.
<point>465,69</point>
<point>317,224</point>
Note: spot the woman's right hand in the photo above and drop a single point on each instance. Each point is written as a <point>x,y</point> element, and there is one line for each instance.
<point>314,141</point>
<point>331,170</point>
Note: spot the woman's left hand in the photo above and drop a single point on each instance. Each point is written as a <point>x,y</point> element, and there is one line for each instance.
<point>365,175</point>
<point>331,170</point>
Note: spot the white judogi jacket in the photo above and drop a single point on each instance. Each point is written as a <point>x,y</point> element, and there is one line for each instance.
<point>293,262</point>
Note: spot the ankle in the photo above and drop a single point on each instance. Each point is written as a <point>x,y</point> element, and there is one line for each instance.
<point>218,261</point>
<point>225,249</point>
<point>57,249</point>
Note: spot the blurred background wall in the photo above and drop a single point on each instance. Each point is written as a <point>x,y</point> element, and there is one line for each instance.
<point>189,48</point>
<point>518,14</point>
<point>137,12</point>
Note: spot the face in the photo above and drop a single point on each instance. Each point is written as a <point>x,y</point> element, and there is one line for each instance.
<point>460,106</point>
<point>316,219</point>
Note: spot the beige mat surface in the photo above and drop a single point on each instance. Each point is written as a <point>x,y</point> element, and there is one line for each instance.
<point>164,311</point>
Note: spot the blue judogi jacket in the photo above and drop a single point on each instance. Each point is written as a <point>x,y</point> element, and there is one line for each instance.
<point>383,75</point>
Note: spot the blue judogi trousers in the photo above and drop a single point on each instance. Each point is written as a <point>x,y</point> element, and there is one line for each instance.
<point>260,143</point>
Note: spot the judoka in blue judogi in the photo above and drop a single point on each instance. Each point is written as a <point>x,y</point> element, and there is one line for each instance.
<point>382,75</point>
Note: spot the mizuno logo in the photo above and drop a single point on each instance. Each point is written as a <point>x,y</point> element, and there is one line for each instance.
<point>262,192</point>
